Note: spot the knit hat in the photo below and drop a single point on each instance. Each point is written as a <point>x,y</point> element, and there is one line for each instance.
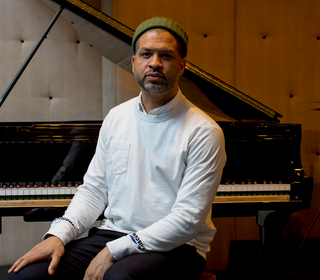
<point>164,23</point>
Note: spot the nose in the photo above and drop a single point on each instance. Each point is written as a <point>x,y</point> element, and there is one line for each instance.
<point>155,62</point>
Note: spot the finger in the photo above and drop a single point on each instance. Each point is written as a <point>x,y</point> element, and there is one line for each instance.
<point>53,266</point>
<point>19,264</point>
<point>13,267</point>
<point>54,263</point>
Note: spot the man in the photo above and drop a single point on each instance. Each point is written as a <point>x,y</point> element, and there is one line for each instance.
<point>156,169</point>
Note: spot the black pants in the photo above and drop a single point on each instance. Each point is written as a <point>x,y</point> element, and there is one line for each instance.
<point>180,263</point>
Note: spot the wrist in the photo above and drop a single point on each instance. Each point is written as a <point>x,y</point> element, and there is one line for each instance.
<point>47,236</point>
<point>110,252</point>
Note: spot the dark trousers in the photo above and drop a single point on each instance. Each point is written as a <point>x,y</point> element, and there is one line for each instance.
<point>180,263</point>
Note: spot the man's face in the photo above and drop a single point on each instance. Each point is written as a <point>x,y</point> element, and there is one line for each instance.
<point>157,64</point>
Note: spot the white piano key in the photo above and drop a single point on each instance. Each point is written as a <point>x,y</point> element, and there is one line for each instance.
<point>14,192</point>
<point>26,191</point>
<point>32,191</point>
<point>74,190</point>
<point>285,187</point>
<point>56,191</point>
<point>257,187</point>
<point>2,192</point>
<point>68,191</point>
<point>234,188</point>
<point>244,188</point>
<point>20,192</point>
<point>38,191</point>
<point>44,191</point>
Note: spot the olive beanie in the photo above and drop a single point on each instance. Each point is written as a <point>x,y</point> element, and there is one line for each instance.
<point>164,23</point>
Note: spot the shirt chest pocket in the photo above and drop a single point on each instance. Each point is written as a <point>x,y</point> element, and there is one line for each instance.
<point>117,157</point>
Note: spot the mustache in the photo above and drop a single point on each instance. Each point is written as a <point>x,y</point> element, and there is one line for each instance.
<point>154,73</point>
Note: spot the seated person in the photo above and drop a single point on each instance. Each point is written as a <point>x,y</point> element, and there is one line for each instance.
<point>155,173</point>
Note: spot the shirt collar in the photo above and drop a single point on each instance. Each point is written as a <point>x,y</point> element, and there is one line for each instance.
<point>163,109</point>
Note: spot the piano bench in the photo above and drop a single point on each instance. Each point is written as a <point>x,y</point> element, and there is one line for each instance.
<point>207,276</point>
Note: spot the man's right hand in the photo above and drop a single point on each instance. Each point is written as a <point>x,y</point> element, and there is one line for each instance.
<point>50,249</point>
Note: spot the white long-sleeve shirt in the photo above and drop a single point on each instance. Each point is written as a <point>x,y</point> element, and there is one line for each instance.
<point>155,177</point>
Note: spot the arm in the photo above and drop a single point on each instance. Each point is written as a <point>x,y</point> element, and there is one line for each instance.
<point>99,265</point>
<point>204,165</point>
<point>89,201</point>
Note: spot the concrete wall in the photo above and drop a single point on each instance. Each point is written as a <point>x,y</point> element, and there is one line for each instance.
<point>63,82</point>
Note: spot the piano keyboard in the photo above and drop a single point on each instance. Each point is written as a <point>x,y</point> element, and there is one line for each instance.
<point>253,189</point>
<point>36,191</point>
<point>253,192</point>
<point>12,193</point>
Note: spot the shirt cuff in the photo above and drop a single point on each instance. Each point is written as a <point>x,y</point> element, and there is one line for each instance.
<point>61,229</point>
<point>122,247</point>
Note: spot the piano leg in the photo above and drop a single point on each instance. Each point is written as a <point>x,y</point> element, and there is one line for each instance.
<point>271,225</point>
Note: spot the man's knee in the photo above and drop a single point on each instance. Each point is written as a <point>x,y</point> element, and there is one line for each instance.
<point>34,271</point>
<point>115,274</point>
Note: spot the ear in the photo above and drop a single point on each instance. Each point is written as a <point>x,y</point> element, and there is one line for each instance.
<point>132,63</point>
<point>182,66</point>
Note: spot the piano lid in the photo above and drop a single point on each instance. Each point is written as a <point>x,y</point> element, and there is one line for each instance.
<point>112,39</point>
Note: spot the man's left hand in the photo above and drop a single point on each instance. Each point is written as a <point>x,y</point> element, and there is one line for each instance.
<point>99,265</point>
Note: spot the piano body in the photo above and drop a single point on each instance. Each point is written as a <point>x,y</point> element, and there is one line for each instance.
<point>263,176</point>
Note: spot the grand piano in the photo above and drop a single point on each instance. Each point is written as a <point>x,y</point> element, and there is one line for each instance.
<point>263,176</point>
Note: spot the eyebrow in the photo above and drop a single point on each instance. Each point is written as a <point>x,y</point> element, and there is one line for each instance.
<point>163,50</point>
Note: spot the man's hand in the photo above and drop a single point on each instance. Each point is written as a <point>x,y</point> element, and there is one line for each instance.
<point>99,265</point>
<point>50,249</point>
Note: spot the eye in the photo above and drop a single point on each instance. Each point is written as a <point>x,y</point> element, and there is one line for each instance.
<point>167,55</point>
<point>146,54</point>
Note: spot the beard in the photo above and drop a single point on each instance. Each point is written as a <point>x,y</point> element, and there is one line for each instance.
<point>153,87</point>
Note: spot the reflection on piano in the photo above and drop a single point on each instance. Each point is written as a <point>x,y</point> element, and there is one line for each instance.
<point>263,162</point>
<point>43,163</point>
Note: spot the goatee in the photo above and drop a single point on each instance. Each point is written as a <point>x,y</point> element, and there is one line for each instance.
<point>151,87</point>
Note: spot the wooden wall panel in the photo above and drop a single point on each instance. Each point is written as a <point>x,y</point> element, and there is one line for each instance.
<point>209,24</point>
<point>277,61</point>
